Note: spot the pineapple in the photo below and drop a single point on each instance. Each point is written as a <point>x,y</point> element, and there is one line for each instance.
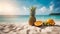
<point>32,18</point>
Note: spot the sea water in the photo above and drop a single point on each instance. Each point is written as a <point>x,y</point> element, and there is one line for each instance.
<point>25,18</point>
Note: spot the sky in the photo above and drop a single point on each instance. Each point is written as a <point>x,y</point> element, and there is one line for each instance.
<point>22,7</point>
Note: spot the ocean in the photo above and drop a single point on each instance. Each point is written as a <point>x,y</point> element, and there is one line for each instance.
<point>25,18</point>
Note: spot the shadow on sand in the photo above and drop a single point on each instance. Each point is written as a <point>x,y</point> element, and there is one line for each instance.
<point>49,26</point>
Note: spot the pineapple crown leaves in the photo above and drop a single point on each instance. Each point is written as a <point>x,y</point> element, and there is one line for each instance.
<point>33,9</point>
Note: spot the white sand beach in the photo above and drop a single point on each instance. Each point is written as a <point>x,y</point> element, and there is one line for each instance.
<point>21,28</point>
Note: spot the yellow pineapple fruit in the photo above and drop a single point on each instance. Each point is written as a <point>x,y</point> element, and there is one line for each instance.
<point>32,18</point>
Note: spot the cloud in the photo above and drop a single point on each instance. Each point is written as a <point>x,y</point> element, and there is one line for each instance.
<point>51,7</point>
<point>57,6</point>
<point>57,10</point>
<point>25,8</point>
<point>40,9</point>
<point>43,9</point>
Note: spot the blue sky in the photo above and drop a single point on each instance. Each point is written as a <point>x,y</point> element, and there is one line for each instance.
<point>22,7</point>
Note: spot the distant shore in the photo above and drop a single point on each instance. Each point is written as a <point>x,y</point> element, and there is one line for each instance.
<point>55,14</point>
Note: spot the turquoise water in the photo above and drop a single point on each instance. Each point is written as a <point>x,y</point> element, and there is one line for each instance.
<point>25,18</point>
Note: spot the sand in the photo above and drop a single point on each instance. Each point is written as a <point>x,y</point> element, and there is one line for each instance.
<point>11,28</point>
